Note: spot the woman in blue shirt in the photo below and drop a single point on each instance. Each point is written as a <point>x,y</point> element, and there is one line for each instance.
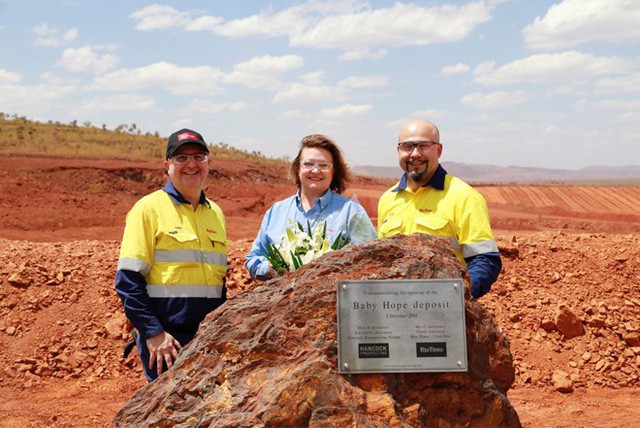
<point>321,175</point>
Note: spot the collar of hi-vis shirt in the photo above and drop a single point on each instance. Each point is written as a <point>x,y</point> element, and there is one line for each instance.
<point>322,202</point>
<point>437,181</point>
<point>177,197</point>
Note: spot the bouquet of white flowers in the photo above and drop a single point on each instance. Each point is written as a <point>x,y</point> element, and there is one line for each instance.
<point>300,246</point>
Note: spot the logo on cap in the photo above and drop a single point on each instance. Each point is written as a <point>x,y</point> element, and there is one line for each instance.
<point>187,136</point>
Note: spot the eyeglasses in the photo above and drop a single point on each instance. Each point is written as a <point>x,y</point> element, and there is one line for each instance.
<point>322,166</point>
<point>422,146</point>
<point>184,159</point>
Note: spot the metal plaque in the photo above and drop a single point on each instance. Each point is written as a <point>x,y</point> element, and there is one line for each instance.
<point>401,326</point>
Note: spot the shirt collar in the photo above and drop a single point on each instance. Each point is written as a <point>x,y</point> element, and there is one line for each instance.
<point>177,197</point>
<point>436,181</point>
<point>322,201</point>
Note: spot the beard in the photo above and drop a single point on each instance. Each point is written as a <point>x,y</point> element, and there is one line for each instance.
<point>417,176</point>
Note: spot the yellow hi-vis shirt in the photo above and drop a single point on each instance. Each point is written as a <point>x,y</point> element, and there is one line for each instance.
<point>180,252</point>
<point>458,211</point>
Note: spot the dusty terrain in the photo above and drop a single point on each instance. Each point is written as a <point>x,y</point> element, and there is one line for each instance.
<point>62,328</point>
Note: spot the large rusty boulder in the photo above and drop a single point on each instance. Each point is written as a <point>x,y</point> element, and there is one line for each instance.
<point>269,357</point>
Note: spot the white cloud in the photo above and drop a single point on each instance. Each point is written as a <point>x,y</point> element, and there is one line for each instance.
<point>364,82</point>
<point>431,114</point>
<point>551,130</point>
<point>610,104</point>
<point>354,27</point>
<point>626,84</point>
<point>58,80</point>
<point>118,102</point>
<point>51,36</point>
<point>358,54</point>
<point>484,68</point>
<point>263,71</point>
<point>293,115</point>
<point>8,77</point>
<point>203,23</point>
<point>200,106</point>
<point>328,7</point>
<point>572,22</point>
<point>458,68</point>
<point>265,24</point>
<point>237,106</point>
<point>160,17</point>
<point>394,124</point>
<point>387,27</point>
<point>548,68</point>
<point>314,78</point>
<point>173,78</point>
<point>87,59</point>
<point>32,98</point>
<point>494,100</point>
<point>345,110</point>
<point>629,117</point>
<point>303,93</point>
<point>315,91</point>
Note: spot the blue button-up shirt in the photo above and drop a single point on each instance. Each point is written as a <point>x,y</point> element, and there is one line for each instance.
<point>341,214</point>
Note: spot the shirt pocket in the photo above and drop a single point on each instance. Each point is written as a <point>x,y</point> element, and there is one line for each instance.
<point>178,239</point>
<point>173,257</point>
<point>391,227</point>
<point>219,242</point>
<point>435,226</point>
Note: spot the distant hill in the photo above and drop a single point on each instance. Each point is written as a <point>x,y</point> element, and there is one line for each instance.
<point>476,173</point>
<point>22,136</point>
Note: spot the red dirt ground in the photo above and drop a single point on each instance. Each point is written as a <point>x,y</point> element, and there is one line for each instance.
<point>62,327</point>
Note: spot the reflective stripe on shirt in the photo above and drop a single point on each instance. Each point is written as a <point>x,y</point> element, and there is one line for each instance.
<point>182,256</point>
<point>134,265</point>
<point>207,291</point>
<point>476,248</point>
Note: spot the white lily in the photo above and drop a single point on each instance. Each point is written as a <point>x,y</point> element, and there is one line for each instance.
<point>297,248</point>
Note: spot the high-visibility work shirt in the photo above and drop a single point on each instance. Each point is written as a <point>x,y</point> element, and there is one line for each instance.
<point>173,262</point>
<point>445,206</point>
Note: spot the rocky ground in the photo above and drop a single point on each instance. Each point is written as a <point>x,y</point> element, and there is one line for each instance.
<point>568,297</point>
<point>62,324</point>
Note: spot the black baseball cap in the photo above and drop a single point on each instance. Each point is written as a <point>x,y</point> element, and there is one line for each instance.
<point>182,137</point>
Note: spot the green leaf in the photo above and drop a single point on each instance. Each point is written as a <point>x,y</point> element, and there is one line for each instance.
<point>299,260</point>
<point>340,241</point>
<point>296,264</point>
<point>276,259</point>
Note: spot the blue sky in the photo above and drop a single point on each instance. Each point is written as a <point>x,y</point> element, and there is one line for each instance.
<point>538,83</point>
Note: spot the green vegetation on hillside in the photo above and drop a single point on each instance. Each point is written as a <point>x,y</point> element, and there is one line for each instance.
<point>21,136</point>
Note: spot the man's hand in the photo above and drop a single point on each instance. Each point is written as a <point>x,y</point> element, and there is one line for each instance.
<point>162,348</point>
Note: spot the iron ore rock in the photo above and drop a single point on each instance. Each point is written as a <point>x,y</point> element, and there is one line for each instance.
<point>268,357</point>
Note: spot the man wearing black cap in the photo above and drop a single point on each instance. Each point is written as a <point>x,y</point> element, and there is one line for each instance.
<point>173,257</point>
